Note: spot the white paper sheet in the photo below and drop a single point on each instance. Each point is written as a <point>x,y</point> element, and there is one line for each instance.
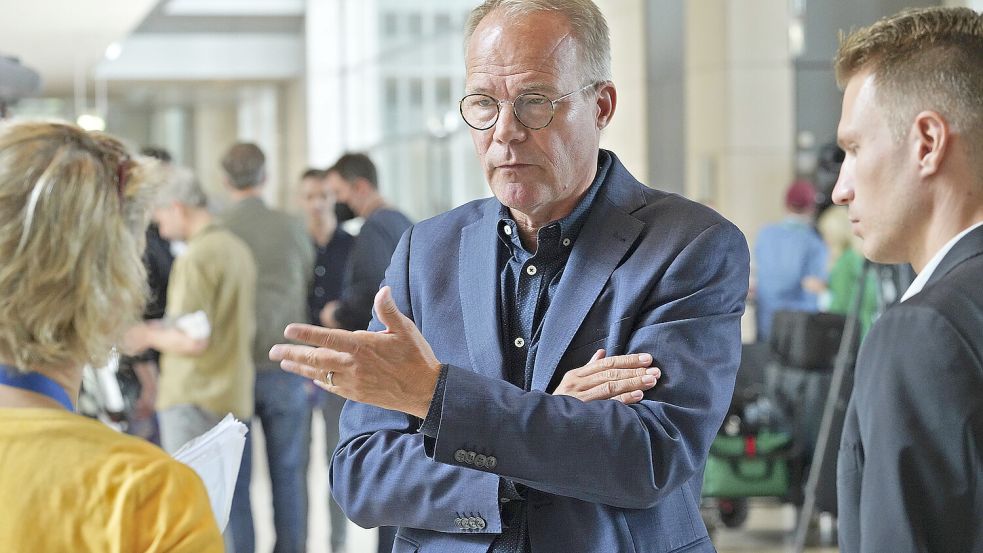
<point>215,456</point>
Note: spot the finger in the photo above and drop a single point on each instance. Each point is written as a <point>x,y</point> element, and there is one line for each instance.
<point>387,311</point>
<point>599,354</point>
<point>619,375</point>
<point>614,388</point>
<point>332,338</point>
<point>324,386</point>
<point>319,358</point>
<point>630,397</point>
<point>629,361</point>
<point>307,371</point>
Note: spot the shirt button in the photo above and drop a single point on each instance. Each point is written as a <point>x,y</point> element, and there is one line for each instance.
<point>507,230</point>
<point>519,342</point>
<point>319,292</point>
<point>319,270</point>
<point>531,270</point>
<point>566,241</point>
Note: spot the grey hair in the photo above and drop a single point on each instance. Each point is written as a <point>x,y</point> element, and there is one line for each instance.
<point>590,29</point>
<point>179,184</point>
<point>245,165</point>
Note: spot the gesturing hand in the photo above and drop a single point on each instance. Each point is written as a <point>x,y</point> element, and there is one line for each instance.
<point>393,369</point>
<point>622,378</point>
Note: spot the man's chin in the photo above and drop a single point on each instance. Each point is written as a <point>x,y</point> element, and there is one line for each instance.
<point>877,253</point>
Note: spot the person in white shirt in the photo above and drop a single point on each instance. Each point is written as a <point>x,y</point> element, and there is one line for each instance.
<point>910,469</point>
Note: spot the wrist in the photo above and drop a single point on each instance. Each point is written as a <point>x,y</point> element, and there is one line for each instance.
<point>427,388</point>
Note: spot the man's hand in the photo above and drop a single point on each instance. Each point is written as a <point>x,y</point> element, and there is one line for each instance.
<point>146,372</point>
<point>327,315</point>
<point>153,334</point>
<point>622,378</point>
<point>393,369</point>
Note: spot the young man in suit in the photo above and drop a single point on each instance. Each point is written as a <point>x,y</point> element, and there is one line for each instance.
<point>463,426</point>
<point>910,471</point>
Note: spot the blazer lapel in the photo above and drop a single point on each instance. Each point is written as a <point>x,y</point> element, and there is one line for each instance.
<point>606,236</point>
<point>969,246</point>
<point>478,287</point>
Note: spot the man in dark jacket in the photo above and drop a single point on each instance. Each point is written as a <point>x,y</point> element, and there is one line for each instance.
<point>910,471</point>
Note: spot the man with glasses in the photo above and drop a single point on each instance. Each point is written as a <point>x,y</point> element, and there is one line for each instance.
<point>483,415</point>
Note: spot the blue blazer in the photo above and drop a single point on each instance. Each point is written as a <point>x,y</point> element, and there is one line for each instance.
<point>650,272</point>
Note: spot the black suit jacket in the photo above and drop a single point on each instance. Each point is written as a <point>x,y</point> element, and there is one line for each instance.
<point>910,471</point>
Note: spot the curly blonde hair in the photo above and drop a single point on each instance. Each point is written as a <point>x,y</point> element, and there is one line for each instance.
<point>74,207</point>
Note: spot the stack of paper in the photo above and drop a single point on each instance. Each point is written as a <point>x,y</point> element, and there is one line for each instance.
<point>215,456</point>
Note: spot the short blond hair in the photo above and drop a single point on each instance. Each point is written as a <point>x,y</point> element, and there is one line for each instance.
<point>73,214</point>
<point>590,29</point>
<point>923,59</point>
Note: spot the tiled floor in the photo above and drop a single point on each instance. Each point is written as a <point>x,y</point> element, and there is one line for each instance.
<point>767,530</point>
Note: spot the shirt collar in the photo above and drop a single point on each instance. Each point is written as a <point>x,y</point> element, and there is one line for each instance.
<point>562,233</point>
<point>922,278</point>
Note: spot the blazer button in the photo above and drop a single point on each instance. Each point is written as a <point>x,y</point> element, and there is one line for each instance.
<point>460,456</point>
<point>479,461</point>
<point>469,523</point>
<point>480,523</point>
<point>470,459</point>
<point>459,522</point>
<point>491,461</point>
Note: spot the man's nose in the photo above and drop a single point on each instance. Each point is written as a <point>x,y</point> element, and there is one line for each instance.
<point>508,128</point>
<point>843,190</point>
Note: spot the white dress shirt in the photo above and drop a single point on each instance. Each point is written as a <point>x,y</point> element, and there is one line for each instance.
<point>922,278</point>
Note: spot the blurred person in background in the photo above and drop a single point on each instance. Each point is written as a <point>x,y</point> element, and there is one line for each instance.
<point>205,372</point>
<point>332,246</point>
<point>790,260</point>
<point>355,184</point>
<point>847,264</point>
<point>73,213</point>
<point>138,374</point>
<point>910,465</point>
<point>354,181</point>
<point>284,260</point>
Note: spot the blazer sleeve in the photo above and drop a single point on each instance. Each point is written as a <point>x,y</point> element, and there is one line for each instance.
<point>920,412</point>
<point>627,456</point>
<point>380,473</point>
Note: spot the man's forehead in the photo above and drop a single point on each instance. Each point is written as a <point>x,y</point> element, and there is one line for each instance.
<point>535,40</point>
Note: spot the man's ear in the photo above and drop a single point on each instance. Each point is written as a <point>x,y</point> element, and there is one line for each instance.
<point>607,101</point>
<point>930,135</point>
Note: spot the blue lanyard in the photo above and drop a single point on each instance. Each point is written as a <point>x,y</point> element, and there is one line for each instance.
<point>37,383</point>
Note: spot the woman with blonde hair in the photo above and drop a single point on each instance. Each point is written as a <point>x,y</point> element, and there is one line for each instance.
<point>73,210</point>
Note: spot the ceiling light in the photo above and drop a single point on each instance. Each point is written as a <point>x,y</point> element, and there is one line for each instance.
<point>113,51</point>
<point>91,122</point>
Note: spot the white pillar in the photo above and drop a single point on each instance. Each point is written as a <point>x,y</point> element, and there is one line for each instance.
<point>258,121</point>
<point>326,110</point>
<point>628,135</point>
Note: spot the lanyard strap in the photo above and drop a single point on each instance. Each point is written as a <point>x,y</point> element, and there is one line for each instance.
<point>37,383</point>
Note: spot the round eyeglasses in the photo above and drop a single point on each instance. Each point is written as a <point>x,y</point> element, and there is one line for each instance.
<point>534,110</point>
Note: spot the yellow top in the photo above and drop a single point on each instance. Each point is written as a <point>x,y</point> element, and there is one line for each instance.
<point>217,275</point>
<point>69,483</point>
